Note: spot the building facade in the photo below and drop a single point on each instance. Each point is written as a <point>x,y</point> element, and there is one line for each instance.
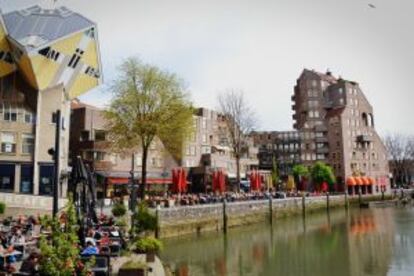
<point>46,58</point>
<point>205,151</point>
<point>334,123</point>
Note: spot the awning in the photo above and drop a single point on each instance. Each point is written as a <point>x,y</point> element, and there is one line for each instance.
<point>351,181</point>
<point>122,181</point>
<point>366,180</point>
<point>359,181</point>
<point>373,181</point>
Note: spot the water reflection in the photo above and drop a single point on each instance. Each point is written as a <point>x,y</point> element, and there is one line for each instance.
<point>358,242</point>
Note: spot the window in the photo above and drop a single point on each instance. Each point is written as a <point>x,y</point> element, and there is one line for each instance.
<point>46,179</point>
<point>193,150</point>
<point>100,135</point>
<point>7,177</point>
<point>10,113</point>
<point>98,156</point>
<point>26,179</point>
<point>204,138</point>
<point>340,91</point>
<point>84,136</point>
<point>138,159</point>
<point>29,118</point>
<point>8,142</point>
<point>204,123</point>
<point>27,143</point>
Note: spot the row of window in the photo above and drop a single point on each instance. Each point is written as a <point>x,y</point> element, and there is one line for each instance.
<point>8,176</point>
<point>8,142</point>
<point>13,113</point>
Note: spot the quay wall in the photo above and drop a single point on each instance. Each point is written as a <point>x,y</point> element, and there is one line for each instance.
<point>184,220</point>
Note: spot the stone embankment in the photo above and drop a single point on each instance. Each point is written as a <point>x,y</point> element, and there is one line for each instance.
<point>183,220</point>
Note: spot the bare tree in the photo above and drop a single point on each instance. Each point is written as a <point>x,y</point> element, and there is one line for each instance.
<point>401,155</point>
<point>240,121</point>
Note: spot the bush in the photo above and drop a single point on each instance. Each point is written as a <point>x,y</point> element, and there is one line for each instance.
<point>143,220</point>
<point>121,222</point>
<point>2,207</point>
<point>119,210</point>
<point>148,244</point>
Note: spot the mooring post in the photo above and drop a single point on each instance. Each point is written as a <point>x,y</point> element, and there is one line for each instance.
<point>303,205</point>
<point>346,200</point>
<point>157,217</point>
<point>327,201</point>
<point>270,209</point>
<point>224,216</point>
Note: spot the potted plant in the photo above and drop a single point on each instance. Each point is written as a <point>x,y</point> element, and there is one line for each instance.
<point>119,210</point>
<point>148,245</point>
<point>132,268</point>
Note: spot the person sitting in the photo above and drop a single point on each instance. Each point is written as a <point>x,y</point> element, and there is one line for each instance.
<point>105,241</point>
<point>30,265</point>
<point>17,238</point>
<point>90,249</point>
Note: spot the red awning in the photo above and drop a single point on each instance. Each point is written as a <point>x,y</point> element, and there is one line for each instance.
<point>351,181</point>
<point>366,180</point>
<point>359,181</point>
<point>373,181</point>
<point>118,181</point>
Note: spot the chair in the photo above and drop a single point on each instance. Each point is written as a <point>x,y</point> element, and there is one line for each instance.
<point>115,250</point>
<point>101,266</point>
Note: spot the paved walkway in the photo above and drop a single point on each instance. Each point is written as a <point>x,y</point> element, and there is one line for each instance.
<point>156,268</point>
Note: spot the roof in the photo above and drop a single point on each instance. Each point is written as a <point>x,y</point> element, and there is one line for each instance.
<point>77,104</point>
<point>326,77</point>
<point>34,27</point>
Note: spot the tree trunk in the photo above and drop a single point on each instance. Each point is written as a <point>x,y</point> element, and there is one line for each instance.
<point>143,172</point>
<point>238,173</point>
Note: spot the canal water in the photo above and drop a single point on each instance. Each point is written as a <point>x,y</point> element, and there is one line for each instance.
<point>376,241</point>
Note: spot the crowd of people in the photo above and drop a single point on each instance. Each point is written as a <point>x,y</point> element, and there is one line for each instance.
<point>169,200</point>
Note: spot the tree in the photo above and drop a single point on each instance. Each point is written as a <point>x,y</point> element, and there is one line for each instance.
<point>300,172</point>
<point>401,155</point>
<point>321,173</point>
<point>240,120</point>
<point>148,104</point>
<point>60,254</point>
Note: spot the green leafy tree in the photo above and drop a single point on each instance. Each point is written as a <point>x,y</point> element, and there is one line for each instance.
<point>60,253</point>
<point>300,171</point>
<point>148,104</point>
<point>321,172</point>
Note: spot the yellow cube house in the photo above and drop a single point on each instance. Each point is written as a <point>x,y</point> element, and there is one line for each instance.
<point>50,48</point>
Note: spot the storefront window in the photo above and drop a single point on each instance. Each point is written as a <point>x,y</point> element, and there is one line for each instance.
<point>7,178</point>
<point>26,179</point>
<point>46,180</point>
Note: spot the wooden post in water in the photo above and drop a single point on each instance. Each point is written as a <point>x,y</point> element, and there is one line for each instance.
<point>270,209</point>
<point>346,200</point>
<point>303,205</point>
<point>359,196</point>
<point>224,216</point>
<point>327,201</point>
<point>157,217</point>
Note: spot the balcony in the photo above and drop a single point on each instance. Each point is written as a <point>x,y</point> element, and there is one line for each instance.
<point>323,150</point>
<point>364,139</point>
<point>94,145</point>
<point>323,139</point>
<point>102,165</point>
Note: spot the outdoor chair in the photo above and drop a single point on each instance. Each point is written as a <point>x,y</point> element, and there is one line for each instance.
<point>115,250</point>
<point>101,266</point>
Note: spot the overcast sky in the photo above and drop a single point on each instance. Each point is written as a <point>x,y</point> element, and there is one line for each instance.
<point>261,47</point>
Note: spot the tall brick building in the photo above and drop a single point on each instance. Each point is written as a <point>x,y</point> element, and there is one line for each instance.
<point>333,123</point>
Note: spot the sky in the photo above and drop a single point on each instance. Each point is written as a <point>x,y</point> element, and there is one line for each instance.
<point>261,47</point>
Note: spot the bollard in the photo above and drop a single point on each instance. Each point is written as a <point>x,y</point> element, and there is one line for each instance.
<point>382,196</point>
<point>270,210</point>
<point>224,216</point>
<point>303,205</point>
<point>327,201</point>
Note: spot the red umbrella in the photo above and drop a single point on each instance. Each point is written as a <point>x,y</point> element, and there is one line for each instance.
<point>183,180</point>
<point>175,187</point>
<point>324,187</point>
<point>222,182</point>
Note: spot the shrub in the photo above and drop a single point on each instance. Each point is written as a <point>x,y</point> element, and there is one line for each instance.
<point>121,222</point>
<point>148,244</point>
<point>119,210</point>
<point>2,207</point>
<point>144,220</point>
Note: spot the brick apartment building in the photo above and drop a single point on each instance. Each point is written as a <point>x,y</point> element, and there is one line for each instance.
<point>46,58</point>
<point>334,123</point>
<point>205,151</point>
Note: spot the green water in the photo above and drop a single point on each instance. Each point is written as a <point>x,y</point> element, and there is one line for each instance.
<point>377,241</point>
